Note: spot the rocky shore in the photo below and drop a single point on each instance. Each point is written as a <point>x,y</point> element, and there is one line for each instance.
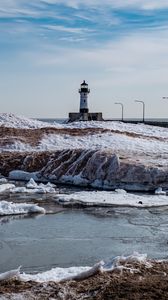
<point>134,281</point>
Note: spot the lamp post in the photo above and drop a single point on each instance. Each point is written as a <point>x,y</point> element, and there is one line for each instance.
<point>122,109</point>
<point>143,118</point>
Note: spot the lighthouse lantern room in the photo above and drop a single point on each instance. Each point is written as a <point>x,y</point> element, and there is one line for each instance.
<point>84,91</point>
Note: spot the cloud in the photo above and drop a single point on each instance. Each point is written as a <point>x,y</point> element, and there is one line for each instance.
<point>138,4</point>
<point>68,29</point>
<point>35,8</point>
<point>135,59</point>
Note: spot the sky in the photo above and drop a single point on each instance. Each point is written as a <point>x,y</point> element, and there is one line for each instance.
<point>48,47</point>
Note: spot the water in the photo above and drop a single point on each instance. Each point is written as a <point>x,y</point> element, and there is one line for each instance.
<point>63,120</point>
<point>76,238</point>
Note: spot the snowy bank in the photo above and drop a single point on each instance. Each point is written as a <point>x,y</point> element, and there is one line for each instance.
<point>13,121</point>
<point>96,168</point>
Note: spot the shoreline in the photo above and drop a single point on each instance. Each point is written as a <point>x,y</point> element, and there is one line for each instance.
<point>134,281</point>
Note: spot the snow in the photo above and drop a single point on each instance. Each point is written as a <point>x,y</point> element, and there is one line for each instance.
<point>118,143</point>
<point>142,129</point>
<point>118,197</point>
<point>55,274</point>
<point>31,184</point>
<point>13,121</point>
<point>31,187</point>
<point>10,274</point>
<point>60,274</point>
<point>3,180</point>
<point>159,191</point>
<point>10,208</point>
<point>6,186</point>
<point>139,141</point>
<point>121,262</point>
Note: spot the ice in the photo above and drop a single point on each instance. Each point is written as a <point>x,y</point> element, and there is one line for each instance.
<point>114,198</point>
<point>10,274</point>
<point>55,274</point>
<point>6,186</point>
<point>10,208</point>
<point>31,187</point>
<point>31,184</point>
<point>22,175</point>
<point>159,191</point>
<point>79,273</point>
<point>123,262</point>
<point>3,180</point>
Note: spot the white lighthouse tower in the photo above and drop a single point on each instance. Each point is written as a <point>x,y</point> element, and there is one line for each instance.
<point>84,91</point>
<point>84,114</point>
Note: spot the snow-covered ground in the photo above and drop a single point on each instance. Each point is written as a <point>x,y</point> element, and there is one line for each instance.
<point>118,197</point>
<point>147,149</point>
<point>137,141</point>
<point>13,121</point>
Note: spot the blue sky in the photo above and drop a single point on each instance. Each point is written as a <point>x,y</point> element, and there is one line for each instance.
<point>47,48</point>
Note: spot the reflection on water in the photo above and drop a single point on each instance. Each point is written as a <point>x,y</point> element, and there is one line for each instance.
<point>77,238</point>
<point>7,219</point>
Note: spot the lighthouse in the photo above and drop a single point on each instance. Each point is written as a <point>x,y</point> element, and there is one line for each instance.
<point>84,114</point>
<point>84,91</point>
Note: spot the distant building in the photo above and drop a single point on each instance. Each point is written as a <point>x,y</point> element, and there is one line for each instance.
<point>84,114</point>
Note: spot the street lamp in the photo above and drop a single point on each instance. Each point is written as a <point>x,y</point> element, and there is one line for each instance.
<point>122,109</point>
<point>143,118</point>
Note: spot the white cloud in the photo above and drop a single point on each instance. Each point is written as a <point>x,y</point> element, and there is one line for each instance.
<point>139,4</point>
<point>139,58</point>
<point>68,29</point>
<point>33,7</point>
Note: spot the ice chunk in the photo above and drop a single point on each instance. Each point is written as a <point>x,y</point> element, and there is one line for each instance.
<point>159,191</point>
<point>6,187</point>
<point>120,191</point>
<point>31,184</point>
<point>10,274</point>
<point>3,180</point>
<point>10,208</point>
<point>22,175</point>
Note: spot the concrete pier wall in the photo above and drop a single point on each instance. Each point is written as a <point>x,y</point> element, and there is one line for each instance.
<point>95,116</point>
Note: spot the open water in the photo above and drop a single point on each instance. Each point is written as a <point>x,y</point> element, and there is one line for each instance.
<point>78,238</point>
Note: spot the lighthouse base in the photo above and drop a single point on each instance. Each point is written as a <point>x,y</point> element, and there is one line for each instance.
<point>97,116</point>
